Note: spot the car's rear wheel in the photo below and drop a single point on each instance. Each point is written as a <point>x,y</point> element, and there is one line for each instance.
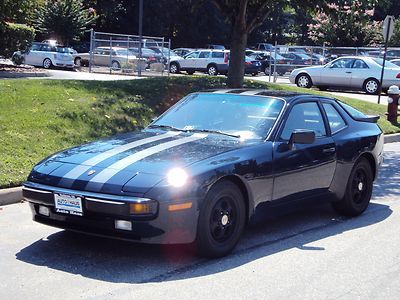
<point>115,65</point>
<point>174,68</point>
<point>304,81</point>
<point>78,62</point>
<point>358,190</point>
<point>266,71</point>
<point>371,86</point>
<point>221,220</point>
<point>212,70</point>
<point>47,63</point>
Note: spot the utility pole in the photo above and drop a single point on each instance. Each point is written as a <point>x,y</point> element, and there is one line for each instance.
<point>140,37</point>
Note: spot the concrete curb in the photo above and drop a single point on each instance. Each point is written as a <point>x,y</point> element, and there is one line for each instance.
<point>11,195</point>
<point>14,195</point>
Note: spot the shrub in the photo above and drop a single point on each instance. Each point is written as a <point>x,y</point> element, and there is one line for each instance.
<point>15,37</point>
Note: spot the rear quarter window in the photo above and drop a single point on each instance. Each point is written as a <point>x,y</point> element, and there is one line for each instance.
<point>354,113</point>
<point>217,55</point>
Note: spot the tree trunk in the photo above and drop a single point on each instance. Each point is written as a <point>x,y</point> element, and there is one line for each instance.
<point>237,57</point>
<point>236,60</point>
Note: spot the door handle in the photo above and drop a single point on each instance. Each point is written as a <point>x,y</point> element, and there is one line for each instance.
<point>329,150</point>
<point>348,72</point>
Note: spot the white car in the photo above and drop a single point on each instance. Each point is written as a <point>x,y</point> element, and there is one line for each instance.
<point>47,55</point>
<point>354,72</point>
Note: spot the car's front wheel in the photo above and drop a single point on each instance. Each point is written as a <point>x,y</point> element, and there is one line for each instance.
<point>115,65</point>
<point>371,86</point>
<point>78,62</point>
<point>304,81</point>
<point>221,221</point>
<point>47,63</point>
<point>174,68</point>
<point>358,190</point>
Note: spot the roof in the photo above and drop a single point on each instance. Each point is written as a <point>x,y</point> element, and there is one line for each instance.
<point>287,95</point>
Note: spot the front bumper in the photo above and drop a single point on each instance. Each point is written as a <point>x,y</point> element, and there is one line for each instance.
<point>100,211</point>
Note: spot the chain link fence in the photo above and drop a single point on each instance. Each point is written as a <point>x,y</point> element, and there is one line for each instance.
<point>126,54</point>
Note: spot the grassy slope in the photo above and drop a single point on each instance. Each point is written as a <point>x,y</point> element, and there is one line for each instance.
<point>39,117</point>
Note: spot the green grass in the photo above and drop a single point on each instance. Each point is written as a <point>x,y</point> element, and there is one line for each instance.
<point>40,117</point>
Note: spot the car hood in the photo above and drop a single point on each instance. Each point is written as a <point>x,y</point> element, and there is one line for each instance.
<point>134,162</point>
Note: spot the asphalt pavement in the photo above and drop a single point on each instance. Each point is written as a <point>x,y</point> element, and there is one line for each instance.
<point>312,253</point>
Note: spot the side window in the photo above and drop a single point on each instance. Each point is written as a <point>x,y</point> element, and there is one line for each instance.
<point>217,54</point>
<point>204,54</point>
<point>360,64</point>
<point>304,116</point>
<point>342,63</point>
<point>35,47</point>
<point>335,120</point>
<point>193,55</point>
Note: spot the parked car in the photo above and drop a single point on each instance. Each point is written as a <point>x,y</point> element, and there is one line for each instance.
<point>114,57</point>
<point>200,171</point>
<point>165,53</point>
<point>46,56</point>
<point>215,46</point>
<point>283,64</point>
<point>183,51</point>
<point>264,47</point>
<point>148,54</point>
<point>396,62</point>
<point>298,59</point>
<point>213,62</point>
<point>356,72</point>
<point>390,54</point>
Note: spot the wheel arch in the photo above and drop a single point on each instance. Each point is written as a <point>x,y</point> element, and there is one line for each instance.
<point>212,64</point>
<point>246,193</point>
<point>371,160</point>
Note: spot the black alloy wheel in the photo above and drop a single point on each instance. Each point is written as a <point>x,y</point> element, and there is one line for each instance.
<point>358,190</point>
<point>221,221</point>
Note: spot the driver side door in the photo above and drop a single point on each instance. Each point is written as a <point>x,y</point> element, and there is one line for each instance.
<point>305,169</point>
<point>190,61</point>
<point>337,73</point>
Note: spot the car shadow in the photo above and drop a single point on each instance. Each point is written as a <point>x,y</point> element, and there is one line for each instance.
<point>124,262</point>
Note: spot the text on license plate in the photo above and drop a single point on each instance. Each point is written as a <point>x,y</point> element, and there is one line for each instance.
<point>68,204</point>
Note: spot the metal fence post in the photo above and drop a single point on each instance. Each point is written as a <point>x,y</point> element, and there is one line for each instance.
<point>276,49</point>
<point>92,36</point>
<point>110,54</point>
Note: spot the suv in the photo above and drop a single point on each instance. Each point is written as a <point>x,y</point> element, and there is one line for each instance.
<point>210,61</point>
<point>46,55</point>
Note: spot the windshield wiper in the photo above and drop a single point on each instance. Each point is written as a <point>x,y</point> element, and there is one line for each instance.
<point>166,127</point>
<point>214,131</point>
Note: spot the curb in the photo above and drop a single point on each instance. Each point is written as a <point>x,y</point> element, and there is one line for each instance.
<point>11,195</point>
<point>14,195</point>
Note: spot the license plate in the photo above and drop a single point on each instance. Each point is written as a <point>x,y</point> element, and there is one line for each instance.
<point>68,204</point>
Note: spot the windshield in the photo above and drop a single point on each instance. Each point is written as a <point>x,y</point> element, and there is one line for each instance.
<point>388,64</point>
<point>250,117</point>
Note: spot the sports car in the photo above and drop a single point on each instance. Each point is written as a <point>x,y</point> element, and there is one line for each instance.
<point>199,171</point>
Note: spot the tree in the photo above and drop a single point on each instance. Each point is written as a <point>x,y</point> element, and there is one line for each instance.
<point>64,20</point>
<point>348,23</point>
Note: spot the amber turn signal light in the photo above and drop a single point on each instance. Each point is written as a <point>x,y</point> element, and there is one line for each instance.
<point>182,206</point>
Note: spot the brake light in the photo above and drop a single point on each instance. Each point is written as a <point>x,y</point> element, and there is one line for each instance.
<point>248,63</point>
<point>398,75</point>
<point>226,58</point>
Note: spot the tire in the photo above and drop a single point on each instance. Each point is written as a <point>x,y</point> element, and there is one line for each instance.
<point>190,72</point>
<point>266,71</point>
<point>78,62</point>
<point>371,86</point>
<point>221,221</point>
<point>47,64</point>
<point>212,70</point>
<point>174,68</point>
<point>115,65</point>
<point>358,190</point>
<point>304,81</point>
<point>254,74</point>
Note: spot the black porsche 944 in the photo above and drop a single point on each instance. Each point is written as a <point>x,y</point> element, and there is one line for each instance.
<point>199,171</point>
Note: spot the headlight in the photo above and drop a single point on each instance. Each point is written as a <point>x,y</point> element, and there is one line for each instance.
<point>177,177</point>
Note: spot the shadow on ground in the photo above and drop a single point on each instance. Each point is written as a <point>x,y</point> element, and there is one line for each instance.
<point>118,261</point>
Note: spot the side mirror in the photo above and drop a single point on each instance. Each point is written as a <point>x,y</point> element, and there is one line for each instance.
<point>301,136</point>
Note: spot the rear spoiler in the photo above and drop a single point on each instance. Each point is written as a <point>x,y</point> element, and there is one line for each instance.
<point>368,118</point>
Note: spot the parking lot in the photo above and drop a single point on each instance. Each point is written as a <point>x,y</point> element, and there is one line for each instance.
<point>311,253</point>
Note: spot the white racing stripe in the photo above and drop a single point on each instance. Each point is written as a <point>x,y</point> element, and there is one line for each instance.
<point>86,165</point>
<point>106,174</point>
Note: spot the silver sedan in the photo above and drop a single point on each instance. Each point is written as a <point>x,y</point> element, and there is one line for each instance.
<point>351,72</point>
